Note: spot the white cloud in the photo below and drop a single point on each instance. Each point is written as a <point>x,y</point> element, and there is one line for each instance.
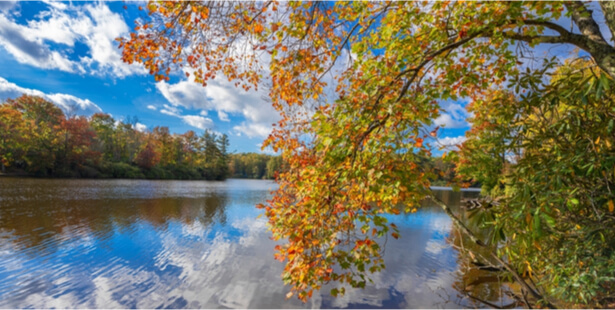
<point>28,48</point>
<point>105,26</point>
<point>151,107</point>
<point>221,96</point>
<point>223,116</point>
<point>224,98</point>
<point>170,110</point>
<point>6,6</point>
<point>93,25</point>
<point>68,103</point>
<point>253,130</point>
<point>186,94</point>
<point>140,127</point>
<point>450,143</point>
<point>198,121</point>
<point>454,115</point>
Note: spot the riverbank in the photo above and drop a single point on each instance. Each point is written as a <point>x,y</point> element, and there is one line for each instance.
<point>122,171</point>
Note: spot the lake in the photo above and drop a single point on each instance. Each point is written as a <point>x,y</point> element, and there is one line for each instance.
<point>194,244</point>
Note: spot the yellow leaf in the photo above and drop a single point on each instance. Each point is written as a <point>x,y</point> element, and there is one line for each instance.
<point>611,206</point>
<point>597,140</point>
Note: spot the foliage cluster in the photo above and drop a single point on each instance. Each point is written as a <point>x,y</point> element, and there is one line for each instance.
<point>357,86</point>
<point>548,156</point>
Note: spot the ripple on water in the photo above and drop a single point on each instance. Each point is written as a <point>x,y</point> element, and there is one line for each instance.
<point>158,244</point>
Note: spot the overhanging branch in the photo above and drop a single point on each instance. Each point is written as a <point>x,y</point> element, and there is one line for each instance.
<point>493,254</point>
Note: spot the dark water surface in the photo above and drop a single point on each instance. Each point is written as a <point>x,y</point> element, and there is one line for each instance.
<point>190,244</point>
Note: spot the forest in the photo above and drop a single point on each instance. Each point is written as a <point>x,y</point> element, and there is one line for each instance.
<point>38,139</point>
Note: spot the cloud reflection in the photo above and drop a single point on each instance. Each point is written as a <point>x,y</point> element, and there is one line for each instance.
<point>187,245</point>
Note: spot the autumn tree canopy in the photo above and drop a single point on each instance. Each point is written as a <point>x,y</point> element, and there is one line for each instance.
<point>358,85</point>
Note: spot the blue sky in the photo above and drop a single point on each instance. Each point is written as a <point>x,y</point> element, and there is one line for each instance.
<point>66,53</point>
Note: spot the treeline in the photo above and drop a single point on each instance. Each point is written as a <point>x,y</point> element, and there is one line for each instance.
<point>440,171</point>
<point>262,166</point>
<point>255,166</point>
<point>36,138</point>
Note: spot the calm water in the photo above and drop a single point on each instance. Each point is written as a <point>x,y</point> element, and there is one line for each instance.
<point>192,244</point>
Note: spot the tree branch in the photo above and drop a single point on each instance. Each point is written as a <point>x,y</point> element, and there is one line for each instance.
<point>559,29</point>
<point>493,254</point>
<point>537,39</point>
<point>492,305</point>
<point>584,20</point>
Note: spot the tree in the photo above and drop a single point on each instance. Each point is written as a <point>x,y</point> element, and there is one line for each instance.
<point>148,156</point>
<point>44,123</point>
<point>190,145</point>
<point>274,167</point>
<point>78,137</point>
<point>222,163</point>
<point>555,174</point>
<point>358,85</point>
<point>12,129</point>
<point>104,125</point>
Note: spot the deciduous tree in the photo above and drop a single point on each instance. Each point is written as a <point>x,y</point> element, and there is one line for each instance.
<point>12,135</point>
<point>357,85</point>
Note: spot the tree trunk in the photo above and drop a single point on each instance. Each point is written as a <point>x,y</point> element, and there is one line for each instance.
<point>608,10</point>
<point>606,60</point>
<point>594,42</point>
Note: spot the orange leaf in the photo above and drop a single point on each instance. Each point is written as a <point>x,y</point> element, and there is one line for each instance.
<point>419,142</point>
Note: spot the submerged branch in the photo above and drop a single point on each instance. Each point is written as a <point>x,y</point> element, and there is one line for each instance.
<point>493,254</point>
<point>492,305</point>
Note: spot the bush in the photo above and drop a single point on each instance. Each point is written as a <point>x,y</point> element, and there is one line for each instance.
<point>122,170</point>
<point>88,172</point>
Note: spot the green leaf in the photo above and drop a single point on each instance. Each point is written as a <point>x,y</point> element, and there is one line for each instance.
<point>334,292</point>
<point>537,227</point>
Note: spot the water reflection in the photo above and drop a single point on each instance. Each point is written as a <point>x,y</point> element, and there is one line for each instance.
<point>189,244</point>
